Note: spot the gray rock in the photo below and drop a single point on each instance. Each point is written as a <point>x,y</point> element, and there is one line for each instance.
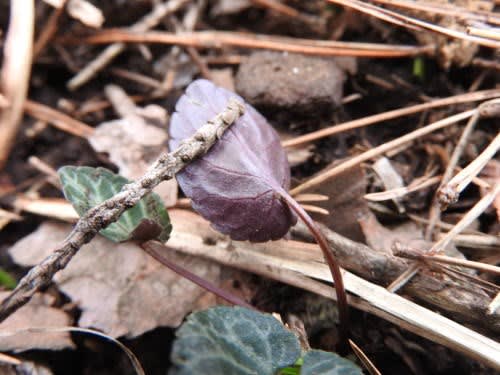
<point>290,81</point>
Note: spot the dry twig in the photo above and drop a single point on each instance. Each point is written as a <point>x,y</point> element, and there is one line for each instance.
<point>15,74</point>
<point>106,56</point>
<point>449,193</point>
<point>58,119</point>
<point>48,31</point>
<point>435,212</point>
<point>218,39</point>
<point>370,120</point>
<point>445,9</point>
<point>468,218</point>
<point>413,23</point>
<point>296,262</point>
<point>410,253</point>
<point>380,150</point>
<point>110,210</point>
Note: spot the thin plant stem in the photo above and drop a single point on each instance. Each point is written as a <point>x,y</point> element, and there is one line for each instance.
<point>154,248</point>
<point>334,266</point>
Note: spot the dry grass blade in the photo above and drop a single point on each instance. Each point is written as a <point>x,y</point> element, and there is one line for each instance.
<point>48,31</point>
<point>435,212</point>
<point>491,33</point>
<point>278,7</point>
<point>105,57</point>
<point>401,192</point>
<point>445,9</point>
<point>380,150</point>
<point>55,207</point>
<point>218,39</point>
<point>311,198</point>
<point>4,358</point>
<point>370,120</point>
<point>315,209</point>
<point>404,278</point>
<point>58,119</point>
<point>468,218</point>
<point>298,264</point>
<point>476,241</point>
<point>409,22</point>
<point>364,359</point>
<point>495,304</point>
<point>403,251</point>
<point>449,193</point>
<point>15,73</point>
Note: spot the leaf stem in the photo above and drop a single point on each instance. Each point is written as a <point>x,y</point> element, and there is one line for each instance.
<point>334,269</point>
<point>154,249</point>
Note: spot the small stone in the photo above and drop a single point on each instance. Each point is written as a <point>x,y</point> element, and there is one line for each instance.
<point>276,80</point>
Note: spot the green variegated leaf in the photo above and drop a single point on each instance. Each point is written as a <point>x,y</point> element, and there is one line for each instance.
<point>6,280</point>
<point>86,187</point>
<point>232,340</point>
<point>318,362</point>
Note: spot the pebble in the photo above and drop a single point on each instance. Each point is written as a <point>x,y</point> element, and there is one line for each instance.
<point>299,83</point>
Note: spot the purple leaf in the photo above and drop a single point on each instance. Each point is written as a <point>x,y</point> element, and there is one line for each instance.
<point>238,184</point>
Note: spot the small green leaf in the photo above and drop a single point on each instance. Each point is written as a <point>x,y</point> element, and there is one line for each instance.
<point>292,370</point>
<point>419,68</point>
<point>232,340</point>
<point>318,362</point>
<point>7,280</point>
<point>86,187</point>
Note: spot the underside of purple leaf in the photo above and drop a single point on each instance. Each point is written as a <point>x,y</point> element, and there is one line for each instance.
<point>238,184</point>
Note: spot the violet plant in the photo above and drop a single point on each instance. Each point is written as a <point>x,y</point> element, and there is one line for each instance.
<point>241,184</point>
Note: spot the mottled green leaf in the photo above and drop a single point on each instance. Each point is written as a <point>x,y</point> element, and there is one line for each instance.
<point>6,280</point>
<point>232,340</point>
<point>318,362</point>
<point>86,187</point>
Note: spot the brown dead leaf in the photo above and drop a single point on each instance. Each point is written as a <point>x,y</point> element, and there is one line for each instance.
<point>133,143</point>
<point>37,313</point>
<point>408,234</point>
<point>345,204</point>
<point>381,238</point>
<point>119,288</point>
<point>390,178</point>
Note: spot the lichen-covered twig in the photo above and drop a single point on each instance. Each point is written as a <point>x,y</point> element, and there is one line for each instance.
<point>110,210</point>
